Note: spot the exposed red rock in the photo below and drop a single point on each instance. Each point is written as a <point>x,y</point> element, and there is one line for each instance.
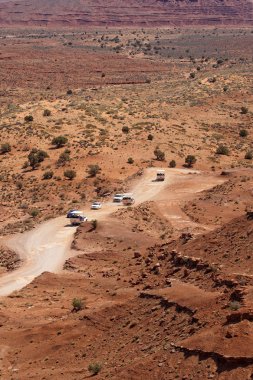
<point>132,13</point>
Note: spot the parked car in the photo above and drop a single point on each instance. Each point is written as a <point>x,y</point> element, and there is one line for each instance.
<point>96,205</point>
<point>128,200</point>
<point>118,198</point>
<point>77,220</point>
<point>71,213</point>
<point>76,217</point>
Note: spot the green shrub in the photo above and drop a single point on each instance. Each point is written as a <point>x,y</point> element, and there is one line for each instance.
<point>28,118</point>
<point>46,112</point>
<point>59,141</point>
<point>34,212</point>
<point>192,75</point>
<point>93,170</point>
<point>243,133</point>
<point>63,158</point>
<point>94,368</point>
<point>223,150</point>
<point>48,174</point>
<point>94,224</point>
<point>190,160</point>
<point>35,157</point>
<point>160,155</point>
<point>125,129</point>
<point>77,304</point>
<point>234,305</point>
<point>172,164</point>
<point>244,110</point>
<point>248,155</point>
<point>70,174</point>
<point>5,148</point>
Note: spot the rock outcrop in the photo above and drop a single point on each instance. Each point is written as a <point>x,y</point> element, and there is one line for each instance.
<point>132,13</point>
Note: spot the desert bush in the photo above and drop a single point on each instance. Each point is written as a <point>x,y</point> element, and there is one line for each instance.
<point>35,157</point>
<point>150,137</point>
<point>192,75</point>
<point>243,133</point>
<point>46,112</point>
<point>59,141</point>
<point>172,164</point>
<point>125,129</point>
<point>70,174</point>
<point>48,174</point>
<point>5,148</point>
<point>69,92</point>
<point>94,368</point>
<point>130,160</point>
<point>28,118</point>
<point>93,170</point>
<point>248,155</point>
<point>223,150</point>
<point>94,224</point>
<point>234,305</point>
<point>34,212</point>
<point>160,155</point>
<point>244,110</point>
<point>190,160</point>
<point>77,304</point>
<point>63,158</point>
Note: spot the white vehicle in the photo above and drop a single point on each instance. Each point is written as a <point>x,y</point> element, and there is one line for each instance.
<point>96,205</point>
<point>118,198</point>
<point>160,175</point>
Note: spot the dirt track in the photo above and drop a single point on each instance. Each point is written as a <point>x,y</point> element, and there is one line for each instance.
<point>47,247</point>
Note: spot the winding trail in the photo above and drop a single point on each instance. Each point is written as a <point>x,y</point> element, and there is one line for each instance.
<point>46,247</point>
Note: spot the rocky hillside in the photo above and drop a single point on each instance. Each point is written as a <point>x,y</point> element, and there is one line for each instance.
<point>130,13</point>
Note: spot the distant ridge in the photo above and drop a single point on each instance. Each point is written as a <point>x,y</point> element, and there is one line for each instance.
<point>126,13</point>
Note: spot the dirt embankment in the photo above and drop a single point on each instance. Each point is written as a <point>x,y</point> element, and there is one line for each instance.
<point>9,260</point>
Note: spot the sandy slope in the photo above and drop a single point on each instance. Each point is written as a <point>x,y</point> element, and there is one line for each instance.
<point>46,247</point>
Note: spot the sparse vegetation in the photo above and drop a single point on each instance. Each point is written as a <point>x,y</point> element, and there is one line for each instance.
<point>94,224</point>
<point>48,174</point>
<point>77,304</point>
<point>248,155</point>
<point>159,154</point>
<point>46,113</point>
<point>172,164</point>
<point>28,118</point>
<point>190,160</point>
<point>5,148</point>
<point>34,212</point>
<point>125,129</point>
<point>244,110</point>
<point>35,157</point>
<point>130,160</point>
<point>70,174</point>
<point>94,368</point>
<point>243,133</point>
<point>93,170</point>
<point>63,158</point>
<point>222,150</point>
<point>59,141</point>
<point>234,305</point>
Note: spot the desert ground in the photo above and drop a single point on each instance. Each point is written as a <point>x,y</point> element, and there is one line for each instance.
<point>161,289</point>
